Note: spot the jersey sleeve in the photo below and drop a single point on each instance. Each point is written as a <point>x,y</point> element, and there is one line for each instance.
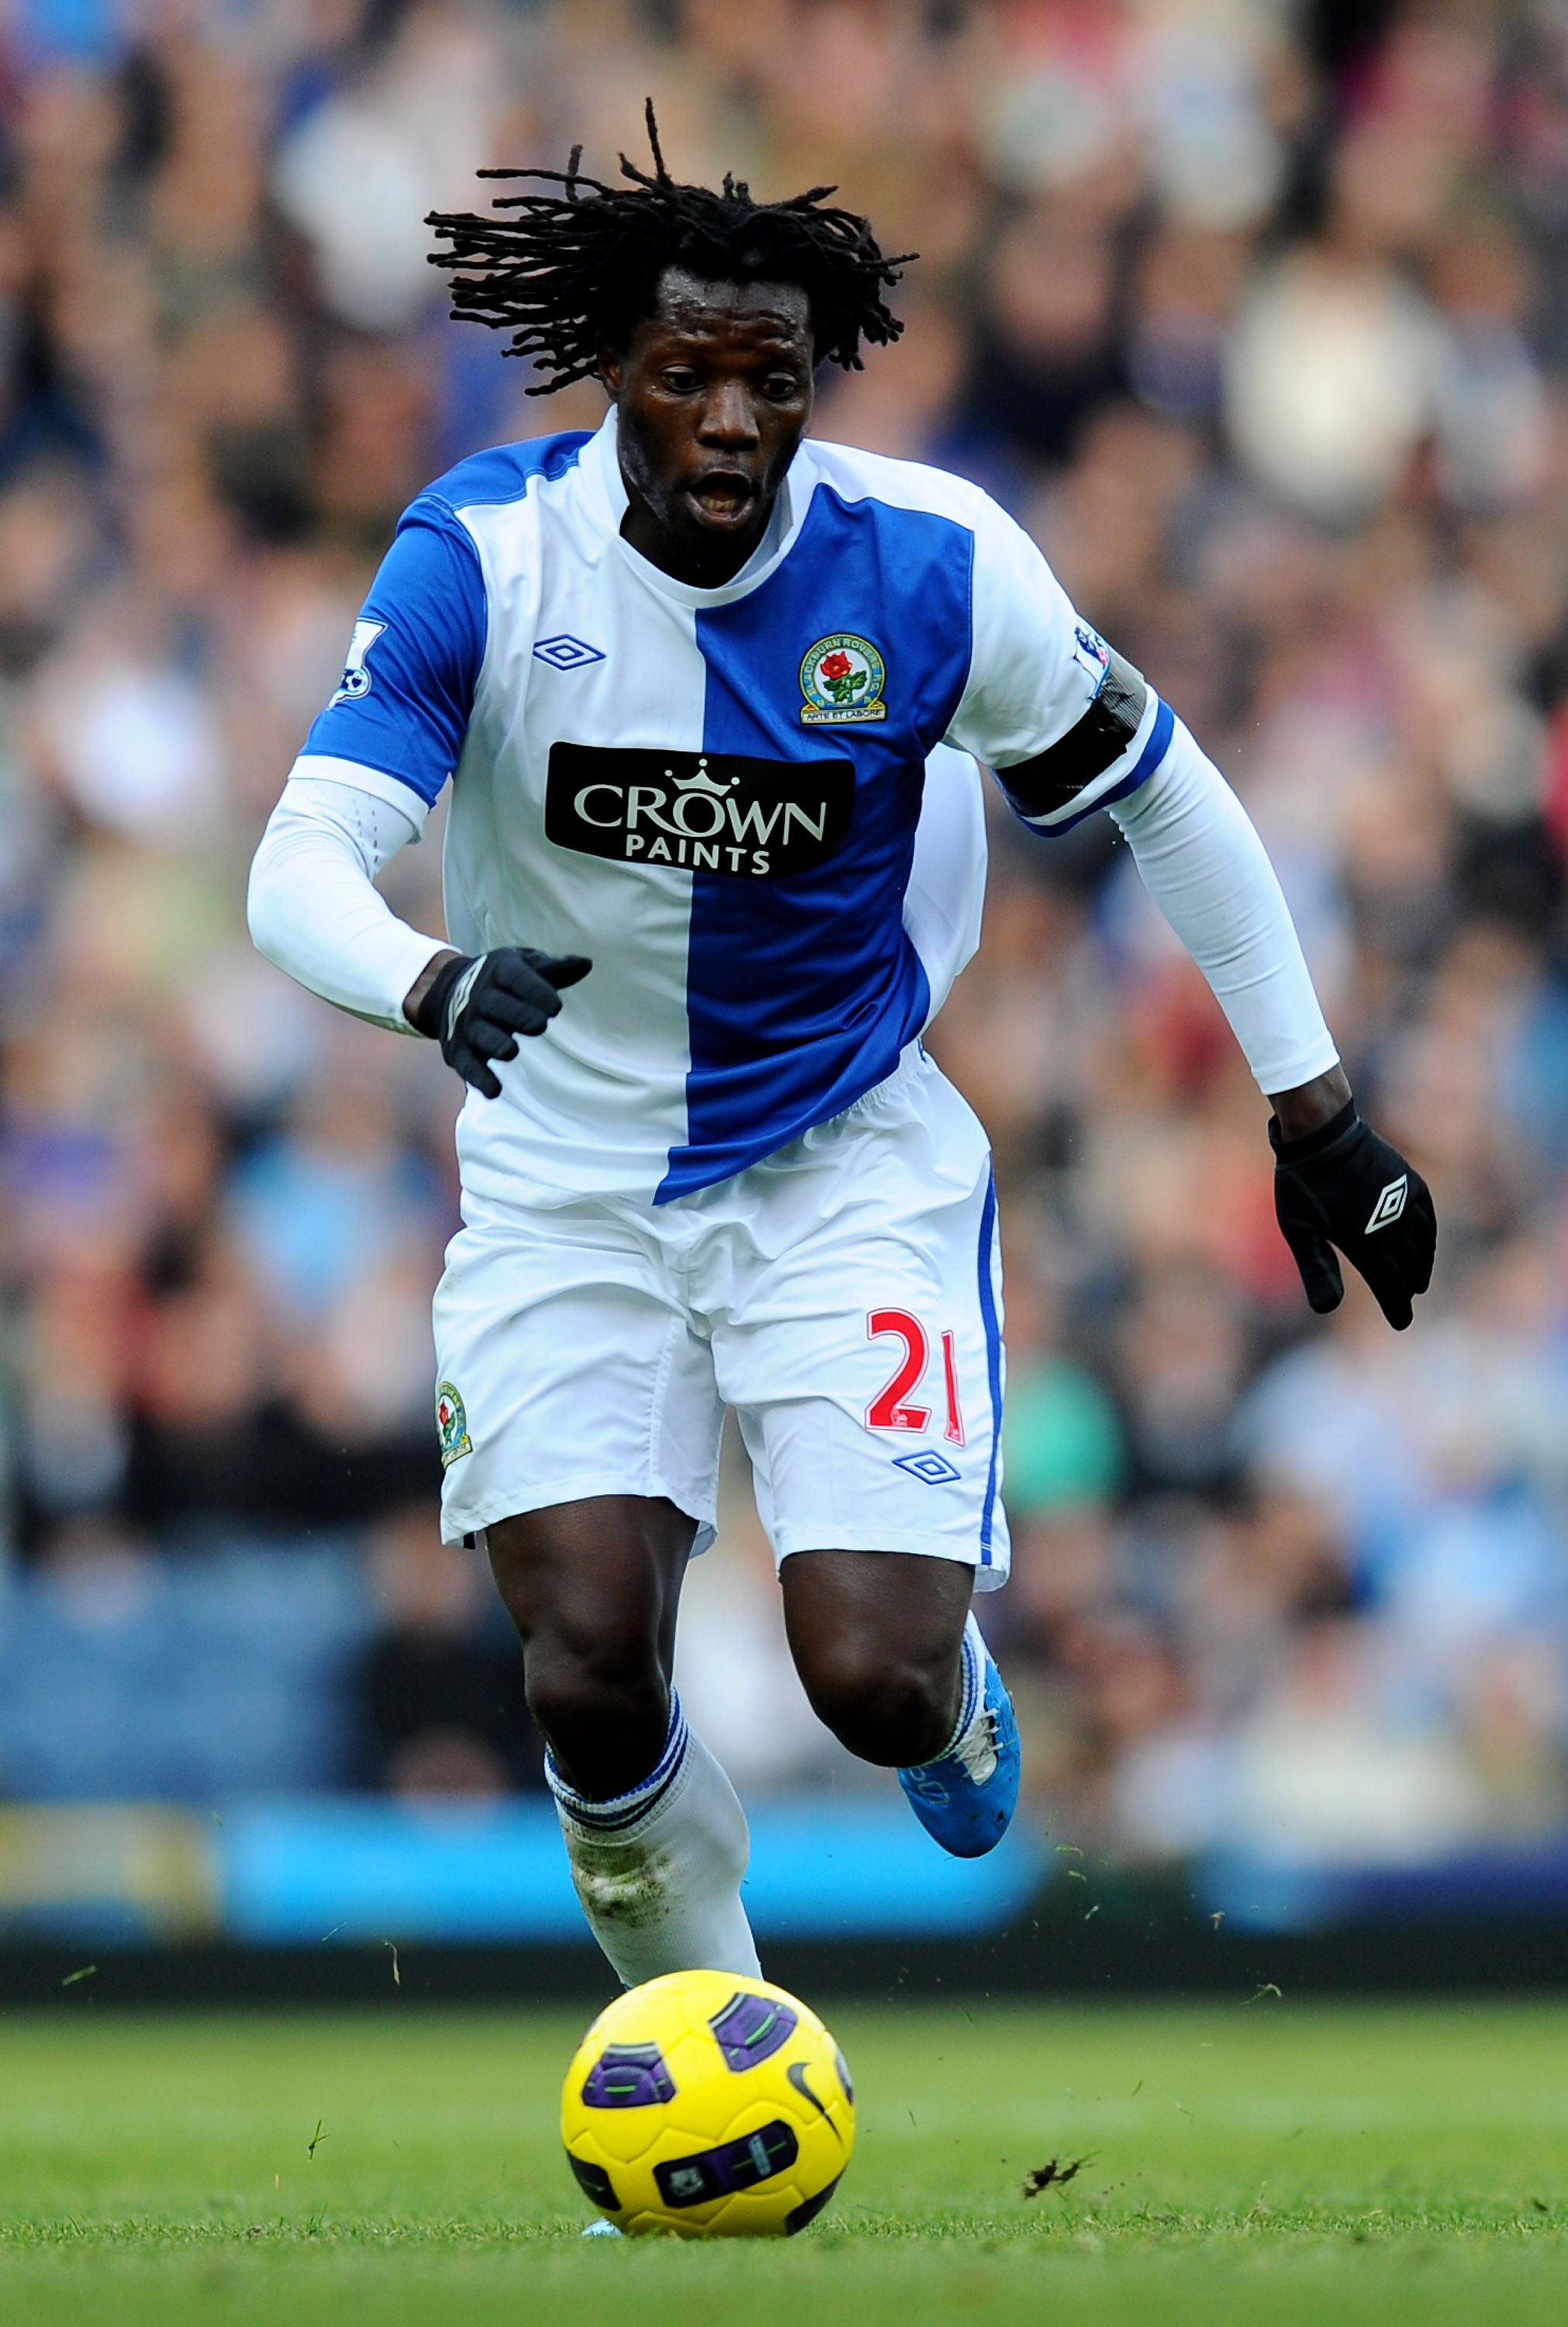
<point>407,688</point>
<point>1045,695</point>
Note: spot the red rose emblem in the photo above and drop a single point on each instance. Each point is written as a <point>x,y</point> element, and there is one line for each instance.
<point>836,665</point>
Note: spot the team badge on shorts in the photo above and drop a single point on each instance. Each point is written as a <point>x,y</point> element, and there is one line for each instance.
<point>841,680</point>
<point>451,1426</point>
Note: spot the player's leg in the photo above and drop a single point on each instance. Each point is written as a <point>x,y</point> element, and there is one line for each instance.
<point>593,1588</point>
<point>876,1637</point>
<point>580,1431</point>
<point>861,1346</point>
<point>894,1664</point>
<point>654,1836</point>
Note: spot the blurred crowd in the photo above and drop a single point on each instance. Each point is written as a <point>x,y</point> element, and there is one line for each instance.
<point>1253,311</point>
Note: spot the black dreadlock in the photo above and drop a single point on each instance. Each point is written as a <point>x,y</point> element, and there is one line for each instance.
<point>575,272</point>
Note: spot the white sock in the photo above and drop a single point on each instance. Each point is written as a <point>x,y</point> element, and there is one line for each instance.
<point>658,1870</point>
<point>973,1740</point>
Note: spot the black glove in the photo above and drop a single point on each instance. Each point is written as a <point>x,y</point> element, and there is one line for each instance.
<point>1344,1185</point>
<point>478,1007</point>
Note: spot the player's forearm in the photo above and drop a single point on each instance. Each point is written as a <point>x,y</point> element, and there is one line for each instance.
<point>1207,871</point>
<point>1310,1105</point>
<point>314,910</point>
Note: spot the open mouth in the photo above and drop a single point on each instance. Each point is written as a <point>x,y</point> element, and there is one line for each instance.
<point>724,498</point>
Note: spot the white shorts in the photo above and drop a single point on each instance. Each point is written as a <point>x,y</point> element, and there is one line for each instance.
<point>844,1297</point>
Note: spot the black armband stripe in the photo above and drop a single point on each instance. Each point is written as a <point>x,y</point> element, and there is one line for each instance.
<point>1053,779</point>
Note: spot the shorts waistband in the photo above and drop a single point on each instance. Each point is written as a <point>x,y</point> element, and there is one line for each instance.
<point>913,1062</point>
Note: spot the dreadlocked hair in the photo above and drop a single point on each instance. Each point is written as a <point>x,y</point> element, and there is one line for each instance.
<point>571,273</point>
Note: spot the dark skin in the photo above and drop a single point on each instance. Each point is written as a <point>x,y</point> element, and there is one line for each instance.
<point>713,394</point>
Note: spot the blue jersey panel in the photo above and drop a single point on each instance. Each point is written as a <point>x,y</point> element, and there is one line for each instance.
<point>802,991</point>
<point>505,472</point>
<point>404,702</point>
<point>407,690</point>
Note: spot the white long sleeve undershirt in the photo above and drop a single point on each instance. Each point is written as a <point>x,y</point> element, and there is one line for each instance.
<point>315,912</point>
<point>314,908</point>
<point>1204,865</point>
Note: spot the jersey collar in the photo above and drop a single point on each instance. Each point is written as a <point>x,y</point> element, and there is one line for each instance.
<point>601,462</point>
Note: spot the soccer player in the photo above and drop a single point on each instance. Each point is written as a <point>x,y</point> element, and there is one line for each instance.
<point>705,688</point>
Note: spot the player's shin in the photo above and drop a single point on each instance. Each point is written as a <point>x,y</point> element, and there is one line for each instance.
<point>658,1870</point>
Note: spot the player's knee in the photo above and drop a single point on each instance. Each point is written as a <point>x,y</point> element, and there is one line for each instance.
<point>892,1710</point>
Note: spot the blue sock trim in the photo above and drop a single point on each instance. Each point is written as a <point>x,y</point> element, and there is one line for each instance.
<point>625,1810</point>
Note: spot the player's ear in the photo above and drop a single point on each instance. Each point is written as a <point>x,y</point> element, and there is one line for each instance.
<point>611,365</point>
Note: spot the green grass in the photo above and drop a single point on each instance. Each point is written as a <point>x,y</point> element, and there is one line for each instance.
<point>1298,2165</point>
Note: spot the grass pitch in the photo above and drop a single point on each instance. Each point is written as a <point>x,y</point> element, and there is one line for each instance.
<point>1266,2162</point>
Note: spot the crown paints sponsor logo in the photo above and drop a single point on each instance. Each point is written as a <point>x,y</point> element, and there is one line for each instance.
<point>721,812</point>
<point>841,680</point>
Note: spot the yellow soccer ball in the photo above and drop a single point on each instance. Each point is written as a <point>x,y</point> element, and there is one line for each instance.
<point>710,2106</point>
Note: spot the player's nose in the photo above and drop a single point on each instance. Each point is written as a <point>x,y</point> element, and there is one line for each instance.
<point>729,417</point>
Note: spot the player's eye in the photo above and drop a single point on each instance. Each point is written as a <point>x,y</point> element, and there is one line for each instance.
<point>679,380</point>
<point>781,385</point>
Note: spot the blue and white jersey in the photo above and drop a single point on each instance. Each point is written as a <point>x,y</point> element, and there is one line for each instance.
<point>736,802</point>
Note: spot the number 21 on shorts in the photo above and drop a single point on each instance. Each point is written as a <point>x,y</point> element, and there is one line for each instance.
<point>890,1409</point>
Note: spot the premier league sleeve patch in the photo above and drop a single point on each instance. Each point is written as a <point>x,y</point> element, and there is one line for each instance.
<point>1090,650</point>
<point>841,680</point>
<point>451,1426</point>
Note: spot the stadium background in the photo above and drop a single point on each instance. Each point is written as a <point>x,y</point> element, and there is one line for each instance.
<point>1253,314</point>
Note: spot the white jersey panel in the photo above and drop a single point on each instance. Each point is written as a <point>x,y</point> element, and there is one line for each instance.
<point>620,670</point>
<point>946,898</point>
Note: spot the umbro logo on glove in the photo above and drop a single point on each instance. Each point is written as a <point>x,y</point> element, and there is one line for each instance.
<point>1390,1205</point>
<point>1346,1186</point>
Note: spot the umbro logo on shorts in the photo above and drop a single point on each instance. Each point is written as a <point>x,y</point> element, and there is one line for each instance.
<point>932,1470</point>
<point>563,652</point>
<point>1390,1204</point>
<point>707,811</point>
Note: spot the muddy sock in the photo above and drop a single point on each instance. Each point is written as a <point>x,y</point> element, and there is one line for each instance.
<point>658,1870</point>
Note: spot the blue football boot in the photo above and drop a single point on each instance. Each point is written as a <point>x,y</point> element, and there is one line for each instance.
<point>967,1797</point>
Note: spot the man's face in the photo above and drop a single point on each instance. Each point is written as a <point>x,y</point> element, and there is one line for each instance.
<point>715,394</point>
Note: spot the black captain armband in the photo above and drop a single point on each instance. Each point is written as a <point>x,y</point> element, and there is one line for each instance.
<point>1054,778</point>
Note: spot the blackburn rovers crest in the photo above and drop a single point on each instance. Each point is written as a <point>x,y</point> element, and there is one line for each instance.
<point>841,680</point>
<point>451,1426</point>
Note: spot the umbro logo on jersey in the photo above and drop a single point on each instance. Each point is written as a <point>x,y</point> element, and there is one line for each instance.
<point>1390,1204</point>
<point>563,652</point>
<point>706,811</point>
<point>932,1470</point>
